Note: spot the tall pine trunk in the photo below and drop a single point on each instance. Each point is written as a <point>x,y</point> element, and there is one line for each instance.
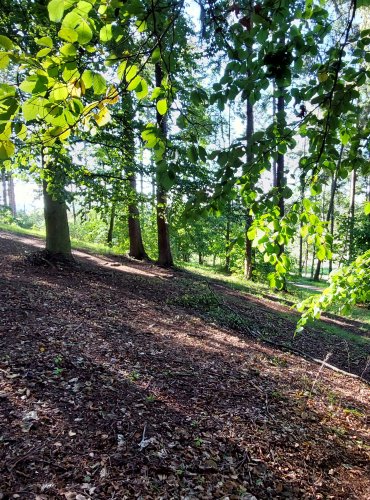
<point>352,202</point>
<point>164,249</point>
<point>280,166</point>
<point>248,254</point>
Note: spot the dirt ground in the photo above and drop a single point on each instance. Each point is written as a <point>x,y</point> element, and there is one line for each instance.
<point>109,389</point>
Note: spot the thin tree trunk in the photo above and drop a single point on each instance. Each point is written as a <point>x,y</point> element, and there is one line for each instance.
<point>111,225</point>
<point>5,192</point>
<point>164,249</point>
<point>274,170</point>
<point>227,238</point>
<point>329,213</point>
<point>280,167</point>
<point>11,195</point>
<point>58,241</point>
<point>248,261</point>
<point>351,250</point>
<point>248,255</point>
<point>313,262</point>
<point>137,250</point>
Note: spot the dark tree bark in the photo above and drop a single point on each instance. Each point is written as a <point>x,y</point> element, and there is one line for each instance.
<point>137,250</point>
<point>280,166</point>
<point>330,212</point>
<point>111,225</point>
<point>248,254</point>
<point>227,239</point>
<point>352,205</point>
<point>164,249</point>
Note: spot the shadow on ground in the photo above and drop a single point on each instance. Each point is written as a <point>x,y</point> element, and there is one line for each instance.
<point>110,390</point>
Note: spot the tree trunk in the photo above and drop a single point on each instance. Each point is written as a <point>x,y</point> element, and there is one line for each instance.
<point>134,229</point>
<point>200,258</point>
<point>58,242</point>
<point>248,254</point>
<point>274,171</point>
<point>351,250</point>
<point>11,195</point>
<point>164,249</point>
<point>280,167</point>
<point>5,192</point>
<point>300,260</point>
<point>227,238</point>
<point>328,217</point>
<point>111,225</point>
<point>313,262</point>
<point>248,266</point>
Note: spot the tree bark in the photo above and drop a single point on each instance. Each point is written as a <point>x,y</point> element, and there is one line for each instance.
<point>11,195</point>
<point>111,225</point>
<point>58,242</point>
<point>5,192</point>
<point>164,249</point>
<point>137,250</point>
<point>280,167</point>
<point>248,254</point>
<point>227,238</point>
<point>352,206</point>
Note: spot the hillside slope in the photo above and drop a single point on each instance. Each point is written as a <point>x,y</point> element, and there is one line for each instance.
<point>113,384</point>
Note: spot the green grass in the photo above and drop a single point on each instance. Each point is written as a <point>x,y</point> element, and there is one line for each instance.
<point>13,228</point>
<point>294,294</point>
<point>97,248</point>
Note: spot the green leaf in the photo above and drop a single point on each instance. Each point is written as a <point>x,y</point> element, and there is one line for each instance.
<point>162,106</point>
<point>84,8</point>
<point>88,78</point>
<point>68,50</point>
<point>7,149</point>
<point>142,89</point>
<point>76,22</point>
<point>68,34</point>
<point>106,33</point>
<point>192,154</point>
<point>367,208</point>
<point>99,84</point>
<point>45,41</point>
<point>59,92</point>
<point>56,10</point>
<point>4,60</point>
<point>156,55</point>
<point>134,83</point>
<point>202,153</point>
<point>43,52</point>
<point>6,42</point>
<point>321,252</point>
<point>103,117</point>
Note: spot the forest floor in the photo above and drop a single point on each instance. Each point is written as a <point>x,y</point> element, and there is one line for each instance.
<point>123,380</point>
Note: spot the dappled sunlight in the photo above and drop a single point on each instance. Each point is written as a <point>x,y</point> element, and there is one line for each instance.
<point>116,383</point>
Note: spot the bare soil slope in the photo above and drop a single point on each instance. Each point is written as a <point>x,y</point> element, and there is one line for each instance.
<point>109,389</point>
